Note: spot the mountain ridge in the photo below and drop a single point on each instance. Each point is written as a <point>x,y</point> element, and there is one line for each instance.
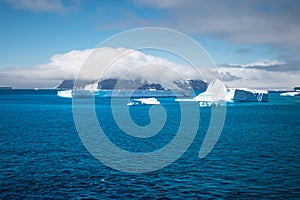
<point>115,84</point>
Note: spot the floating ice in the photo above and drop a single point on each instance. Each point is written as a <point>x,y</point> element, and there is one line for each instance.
<point>292,94</point>
<point>144,101</point>
<point>93,87</point>
<point>65,93</point>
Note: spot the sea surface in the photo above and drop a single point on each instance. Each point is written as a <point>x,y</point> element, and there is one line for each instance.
<point>42,156</point>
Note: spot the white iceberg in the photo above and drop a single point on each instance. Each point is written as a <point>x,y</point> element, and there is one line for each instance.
<point>93,87</point>
<point>292,94</point>
<point>218,92</point>
<point>65,93</point>
<point>86,91</point>
<point>76,93</point>
<point>143,101</point>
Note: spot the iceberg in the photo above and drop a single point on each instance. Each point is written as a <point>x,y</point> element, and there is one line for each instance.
<point>143,101</point>
<point>218,92</point>
<point>292,94</point>
<point>248,95</point>
<point>85,91</point>
<point>93,87</point>
<point>65,93</point>
<point>76,93</point>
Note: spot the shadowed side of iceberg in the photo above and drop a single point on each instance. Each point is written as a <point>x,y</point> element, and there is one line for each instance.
<point>246,95</point>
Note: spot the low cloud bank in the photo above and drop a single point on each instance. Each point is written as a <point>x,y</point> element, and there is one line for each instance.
<point>135,65</point>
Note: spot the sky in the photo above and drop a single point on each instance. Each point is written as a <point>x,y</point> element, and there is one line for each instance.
<point>254,43</point>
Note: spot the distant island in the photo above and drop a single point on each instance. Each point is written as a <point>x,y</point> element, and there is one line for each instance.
<point>6,88</point>
<point>180,88</point>
<point>297,89</point>
<point>115,84</point>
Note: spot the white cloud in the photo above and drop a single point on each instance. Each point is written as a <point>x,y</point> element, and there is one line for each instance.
<point>255,22</point>
<point>160,4</point>
<point>137,65</point>
<point>44,5</point>
<point>61,66</point>
<point>259,78</point>
<point>258,22</point>
<point>132,65</point>
<point>261,62</point>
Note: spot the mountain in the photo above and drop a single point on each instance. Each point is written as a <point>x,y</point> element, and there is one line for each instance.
<point>65,84</point>
<point>110,84</point>
<point>115,84</point>
<point>187,85</point>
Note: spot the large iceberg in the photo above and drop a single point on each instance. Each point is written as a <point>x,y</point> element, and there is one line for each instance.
<point>248,95</point>
<point>217,91</point>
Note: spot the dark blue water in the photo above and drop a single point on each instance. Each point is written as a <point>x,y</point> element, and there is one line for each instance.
<point>42,156</point>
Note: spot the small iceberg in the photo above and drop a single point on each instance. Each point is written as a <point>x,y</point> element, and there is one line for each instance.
<point>76,93</point>
<point>208,104</point>
<point>65,93</point>
<point>291,94</point>
<point>87,91</point>
<point>143,101</point>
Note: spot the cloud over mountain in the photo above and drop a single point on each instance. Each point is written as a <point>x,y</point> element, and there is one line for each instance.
<point>134,65</point>
<point>131,65</point>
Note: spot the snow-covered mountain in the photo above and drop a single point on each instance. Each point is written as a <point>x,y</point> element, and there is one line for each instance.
<point>115,84</point>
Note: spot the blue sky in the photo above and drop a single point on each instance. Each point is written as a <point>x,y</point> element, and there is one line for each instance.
<point>232,32</point>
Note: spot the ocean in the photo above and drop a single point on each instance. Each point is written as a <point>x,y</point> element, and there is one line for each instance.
<point>42,155</point>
